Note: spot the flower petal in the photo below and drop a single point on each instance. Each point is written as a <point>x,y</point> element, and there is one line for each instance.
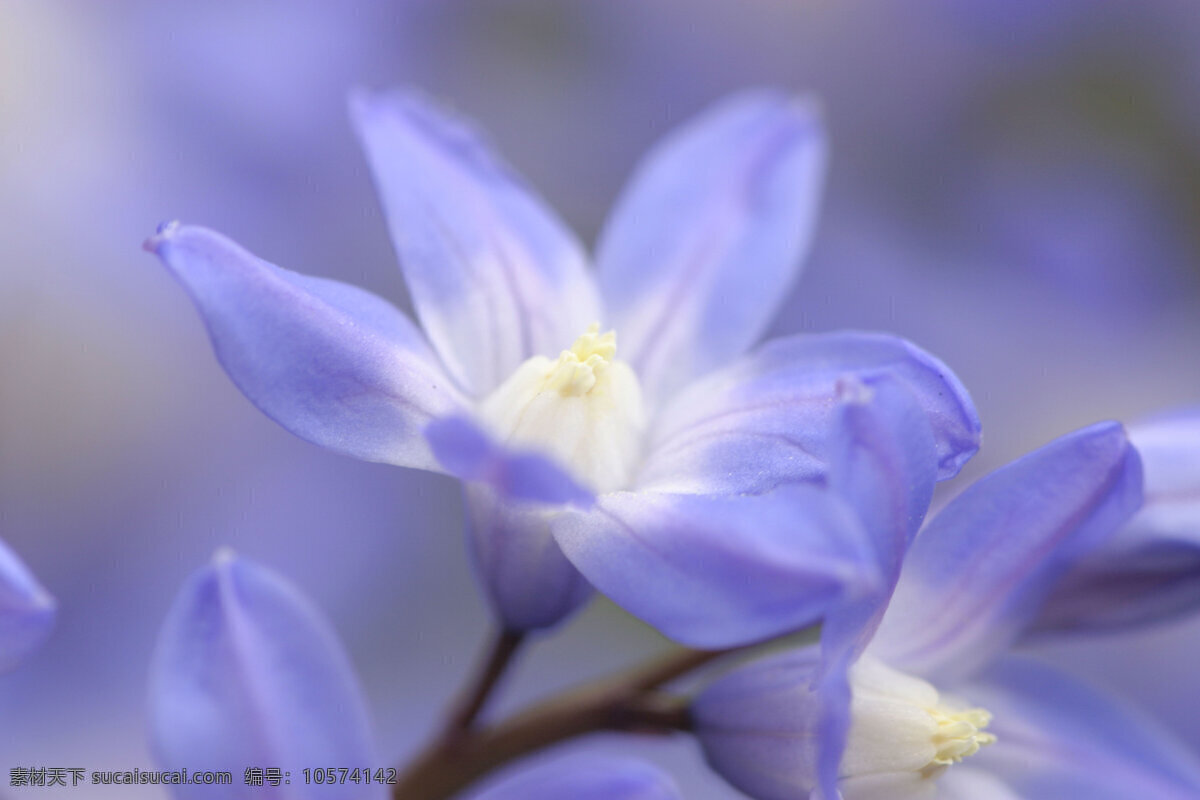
<point>27,611</point>
<point>527,579</point>
<point>764,420</point>
<point>883,462</point>
<point>466,451</point>
<point>977,574</point>
<point>1150,570</point>
<point>585,777</point>
<point>757,725</point>
<point>720,571</point>
<point>332,363</point>
<point>248,673</point>
<point>708,236</point>
<point>494,276</point>
<point>1056,737</point>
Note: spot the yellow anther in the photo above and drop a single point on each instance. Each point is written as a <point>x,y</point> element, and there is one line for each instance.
<point>576,371</point>
<point>959,734</point>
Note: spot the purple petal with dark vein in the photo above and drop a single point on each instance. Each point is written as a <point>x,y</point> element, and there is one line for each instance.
<point>709,234</point>
<point>764,420</point>
<point>721,571</point>
<point>757,725</point>
<point>495,277</point>
<point>330,362</point>
<point>528,581</point>
<point>246,673</point>
<point>978,573</point>
<point>1150,570</point>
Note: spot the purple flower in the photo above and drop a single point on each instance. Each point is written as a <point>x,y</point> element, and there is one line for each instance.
<point>27,611</point>
<point>1150,570</point>
<point>910,694</point>
<point>247,674</point>
<point>534,403</point>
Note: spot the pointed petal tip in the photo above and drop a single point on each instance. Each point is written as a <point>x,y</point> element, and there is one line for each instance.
<point>223,557</point>
<point>164,231</point>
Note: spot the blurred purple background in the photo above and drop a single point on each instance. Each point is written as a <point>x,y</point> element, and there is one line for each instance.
<point>1015,186</point>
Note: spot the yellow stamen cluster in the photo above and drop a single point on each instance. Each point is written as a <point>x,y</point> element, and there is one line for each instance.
<point>959,734</point>
<point>576,371</point>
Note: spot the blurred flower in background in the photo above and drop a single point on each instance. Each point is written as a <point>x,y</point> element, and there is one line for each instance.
<point>1013,186</point>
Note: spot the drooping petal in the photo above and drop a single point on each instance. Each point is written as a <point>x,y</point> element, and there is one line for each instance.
<point>757,725</point>
<point>495,277</point>
<point>248,673</point>
<point>528,581</point>
<point>764,420</point>
<point>1150,570</point>
<point>883,461</point>
<point>332,363</point>
<point>708,236</point>
<point>27,611</point>
<point>713,571</point>
<point>1056,737</point>
<point>585,777</point>
<point>977,574</point>
<point>466,451</point>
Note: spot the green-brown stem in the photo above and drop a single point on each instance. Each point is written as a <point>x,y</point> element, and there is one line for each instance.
<point>626,702</point>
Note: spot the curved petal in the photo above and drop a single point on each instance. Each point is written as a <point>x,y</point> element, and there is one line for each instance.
<point>757,725</point>
<point>332,363</point>
<point>1150,570</point>
<point>764,420</point>
<point>706,239</point>
<point>494,276</point>
<point>466,451</point>
<point>27,611</point>
<point>977,574</point>
<point>585,777</point>
<point>1056,737</point>
<point>720,571</point>
<point>528,581</point>
<point>247,673</point>
<point>883,462</point>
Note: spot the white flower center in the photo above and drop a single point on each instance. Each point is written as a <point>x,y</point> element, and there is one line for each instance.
<point>583,408</point>
<point>900,723</point>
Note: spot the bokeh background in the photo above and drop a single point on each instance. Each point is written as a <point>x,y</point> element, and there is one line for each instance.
<point>1014,185</point>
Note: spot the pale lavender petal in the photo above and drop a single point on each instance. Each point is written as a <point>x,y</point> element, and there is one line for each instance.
<point>1150,570</point>
<point>969,783</point>
<point>757,726</point>
<point>494,275</point>
<point>710,233</point>
<point>528,581</point>
<point>466,451</point>
<point>764,420</point>
<point>27,611</point>
<point>585,777</point>
<point>332,363</point>
<point>248,673</point>
<point>977,574</point>
<point>721,571</point>
<point>1058,738</point>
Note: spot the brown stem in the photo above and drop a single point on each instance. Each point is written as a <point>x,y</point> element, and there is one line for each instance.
<point>469,706</point>
<point>626,702</point>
